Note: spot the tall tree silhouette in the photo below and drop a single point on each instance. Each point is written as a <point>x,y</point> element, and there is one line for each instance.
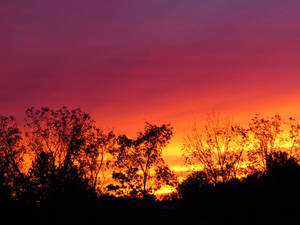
<point>217,148</point>
<point>140,168</point>
<point>71,137</point>
<point>95,160</point>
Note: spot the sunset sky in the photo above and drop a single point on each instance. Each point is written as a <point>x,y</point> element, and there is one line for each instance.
<point>163,61</point>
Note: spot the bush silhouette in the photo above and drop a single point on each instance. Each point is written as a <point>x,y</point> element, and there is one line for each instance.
<point>267,196</point>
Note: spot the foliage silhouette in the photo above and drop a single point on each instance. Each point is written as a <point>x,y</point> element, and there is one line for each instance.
<point>266,134</point>
<point>218,147</point>
<point>136,158</point>
<point>225,150</point>
<point>72,138</point>
<point>11,159</point>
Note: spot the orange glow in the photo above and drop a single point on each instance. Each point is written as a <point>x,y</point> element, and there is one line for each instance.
<point>173,154</point>
<point>184,117</point>
<point>165,191</point>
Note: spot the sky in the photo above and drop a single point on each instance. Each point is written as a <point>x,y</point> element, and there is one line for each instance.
<point>163,61</point>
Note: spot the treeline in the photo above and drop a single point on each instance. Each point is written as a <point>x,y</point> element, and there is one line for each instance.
<point>60,160</point>
<point>61,167</point>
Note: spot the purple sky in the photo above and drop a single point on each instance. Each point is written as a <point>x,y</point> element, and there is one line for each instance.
<point>164,61</point>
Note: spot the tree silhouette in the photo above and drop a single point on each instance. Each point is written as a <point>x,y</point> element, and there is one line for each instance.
<point>218,149</point>
<point>71,156</point>
<point>59,191</point>
<point>140,168</point>
<point>294,137</point>
<point>95,160</point>
<point>268,197</point>
<point>11,157</point>
<point>71,137</point>
<point>266,134</point>
<point>42,175</point>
